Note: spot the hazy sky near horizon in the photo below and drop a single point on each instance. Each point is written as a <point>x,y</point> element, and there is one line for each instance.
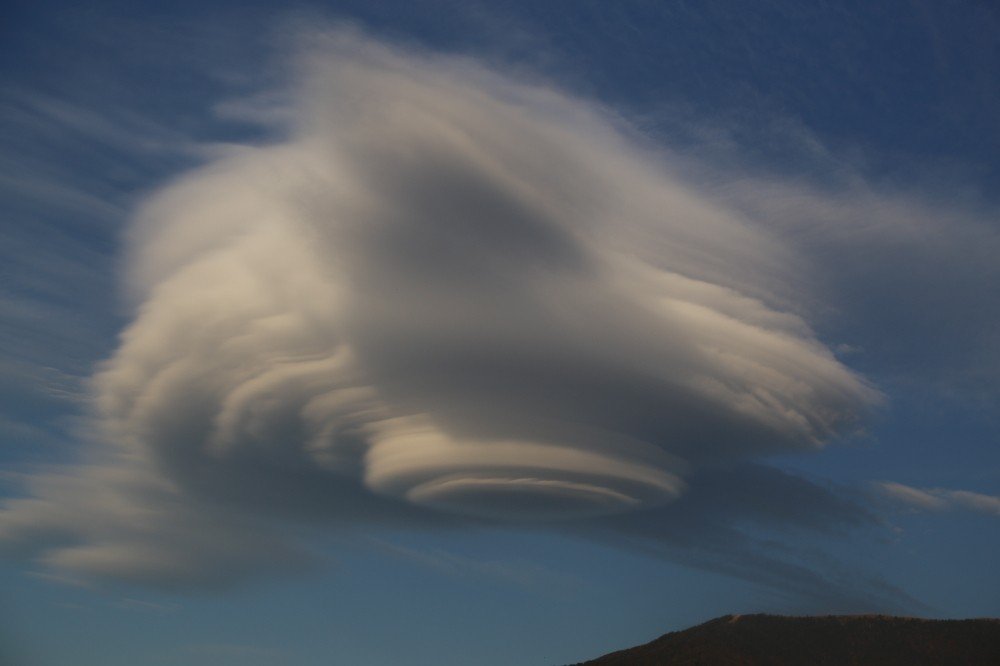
<point>491,333</point>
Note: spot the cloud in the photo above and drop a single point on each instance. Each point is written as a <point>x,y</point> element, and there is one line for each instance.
<point>446,297</point>
<point>121,522</point>
<point>937,499</point>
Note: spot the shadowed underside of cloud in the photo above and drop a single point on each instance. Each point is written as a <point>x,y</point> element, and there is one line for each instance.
<point>447,298</point>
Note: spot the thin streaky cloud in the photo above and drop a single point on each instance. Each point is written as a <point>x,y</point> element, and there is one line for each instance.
<point>938,499</point>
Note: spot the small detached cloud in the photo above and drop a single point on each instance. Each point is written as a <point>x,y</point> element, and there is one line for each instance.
<point>938,499</point>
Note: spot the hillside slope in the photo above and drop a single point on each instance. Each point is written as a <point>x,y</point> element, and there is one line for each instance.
<point>773,640</point>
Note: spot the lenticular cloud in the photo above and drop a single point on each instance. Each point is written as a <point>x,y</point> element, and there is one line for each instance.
<point>455,291</point>
<point>446,297</point>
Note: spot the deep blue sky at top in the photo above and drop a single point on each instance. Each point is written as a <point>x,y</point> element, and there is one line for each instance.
<point>903,79</point>
<point>904,93</point>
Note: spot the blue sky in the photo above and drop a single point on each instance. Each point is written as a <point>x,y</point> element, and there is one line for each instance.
<point>491,333</point>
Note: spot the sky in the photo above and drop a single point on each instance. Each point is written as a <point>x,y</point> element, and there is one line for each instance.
<point>491,332</point>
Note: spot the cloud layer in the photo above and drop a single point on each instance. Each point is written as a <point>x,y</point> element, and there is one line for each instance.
<point>447,296</point>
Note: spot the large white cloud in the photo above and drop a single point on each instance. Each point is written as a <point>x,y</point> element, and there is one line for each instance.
<point>439,286</point>
<point>449,292</point>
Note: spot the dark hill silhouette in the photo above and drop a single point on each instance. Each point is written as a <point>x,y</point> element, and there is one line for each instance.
<point>774,640</point>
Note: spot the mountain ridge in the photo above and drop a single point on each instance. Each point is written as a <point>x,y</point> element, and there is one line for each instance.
<point>778,640</point>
